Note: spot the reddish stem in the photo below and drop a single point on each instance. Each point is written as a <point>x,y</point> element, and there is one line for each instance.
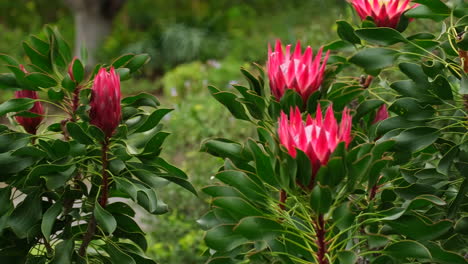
<point>282,200</point>
<point>105,176</point>
<point>373,192</point>
<point>75,101</point>
<point>321,243</point>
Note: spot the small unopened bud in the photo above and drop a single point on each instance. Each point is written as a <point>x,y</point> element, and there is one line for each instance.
<point>105,110</point>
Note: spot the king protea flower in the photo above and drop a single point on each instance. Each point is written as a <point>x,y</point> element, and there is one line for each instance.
<point>105,110</point>
<point>30,124</point>
<point>381,114</point>
<point>317,137</point>
<point>386,13</point>
<point>301,72</point>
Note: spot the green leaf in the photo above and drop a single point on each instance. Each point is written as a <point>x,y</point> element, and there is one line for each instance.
<point>411,109</point>
<point>229,100</point>
<point>461,226</point>
<point>16,105</point>
<point>68,84</point>
<point>48,220</point>
<point>104,219</point>
<point>142,99</point>
<point>78,70</point>
<point>122,60</point>
<point>443,256</point>
<point>124,73</point>
<point>254,84</point>
<point>347,257</point>
<point>405,249</point>
<point>8,59</point>
<point>304,168</point>
<point>137,61</point>
<point>291,99</point>
<point>117,256</point>
<point>346,32</point>
<point>8,81</point>
<point>257,228</point>
<point>37,58</point>
<point>432,9</point>
<point>238,207</point>
<point>25,216</point>
<point>252,189</point>
<point>373,60</point>
<point>321,199</point>
<point>77,133</point>
<point>63,252</point>
<point>417,229</point>
<point>381,35</point>
<point>441,88</point>
<point>223,238</point>
<point>264,164</point>
<point>223,149</point>
<point>153,120</point>
<point>416,139</point>
<point>6,202</point>
<point>366,107</point>
<point>464,84</point>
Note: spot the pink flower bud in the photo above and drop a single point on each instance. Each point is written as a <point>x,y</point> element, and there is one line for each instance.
<point>105,110</point>
<point>317,137</point>
<point>30,124</point>
<point>385,13</point>
<point>302,72</point>
<point>381,115</point>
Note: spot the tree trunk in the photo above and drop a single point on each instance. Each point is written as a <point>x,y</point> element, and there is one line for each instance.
<point>93,23</point>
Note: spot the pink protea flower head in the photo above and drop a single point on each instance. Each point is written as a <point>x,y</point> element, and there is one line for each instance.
<point>317,137</point>
<point>386,13</point>
<point>381,114</point>
<point>302,72</point>
<point>30,124</point>
<point>105,110</point>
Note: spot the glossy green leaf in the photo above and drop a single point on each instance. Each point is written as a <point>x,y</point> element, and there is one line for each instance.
<point>122,60</point>
<point>77,133</point>
<point>415,228</point>
<point>78,70</point>
<point>63,252</point>
<point>153,120</point>
<point>104,219</point>
<point>223,238</point>
<point>347,257</point>
<point>258,228</point>
<point>373,60</point>
<point>229,100</point>
<point>117,255</point>
<point>137,61</point>
<point>264,163</point>
<point>321,199</point>
<point>432,9</point>
<point>142,99</point>
<point>237,206</point>
<point>252,189</point>
<point>443,256</point>
<point>405,249</point>
<point>16,105</point>
<point>381,35</point>
<point>346,32</point>
<point>416,139</point>
<point>25,216</point>
<point>48,220</point>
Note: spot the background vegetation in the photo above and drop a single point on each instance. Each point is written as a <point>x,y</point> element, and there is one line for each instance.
<point>192,43</point>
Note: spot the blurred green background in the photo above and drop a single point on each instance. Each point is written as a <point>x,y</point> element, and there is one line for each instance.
<point>192,43</point>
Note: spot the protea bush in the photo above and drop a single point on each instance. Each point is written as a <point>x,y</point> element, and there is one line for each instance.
<point>73,147</point>
<point>386,184</point>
